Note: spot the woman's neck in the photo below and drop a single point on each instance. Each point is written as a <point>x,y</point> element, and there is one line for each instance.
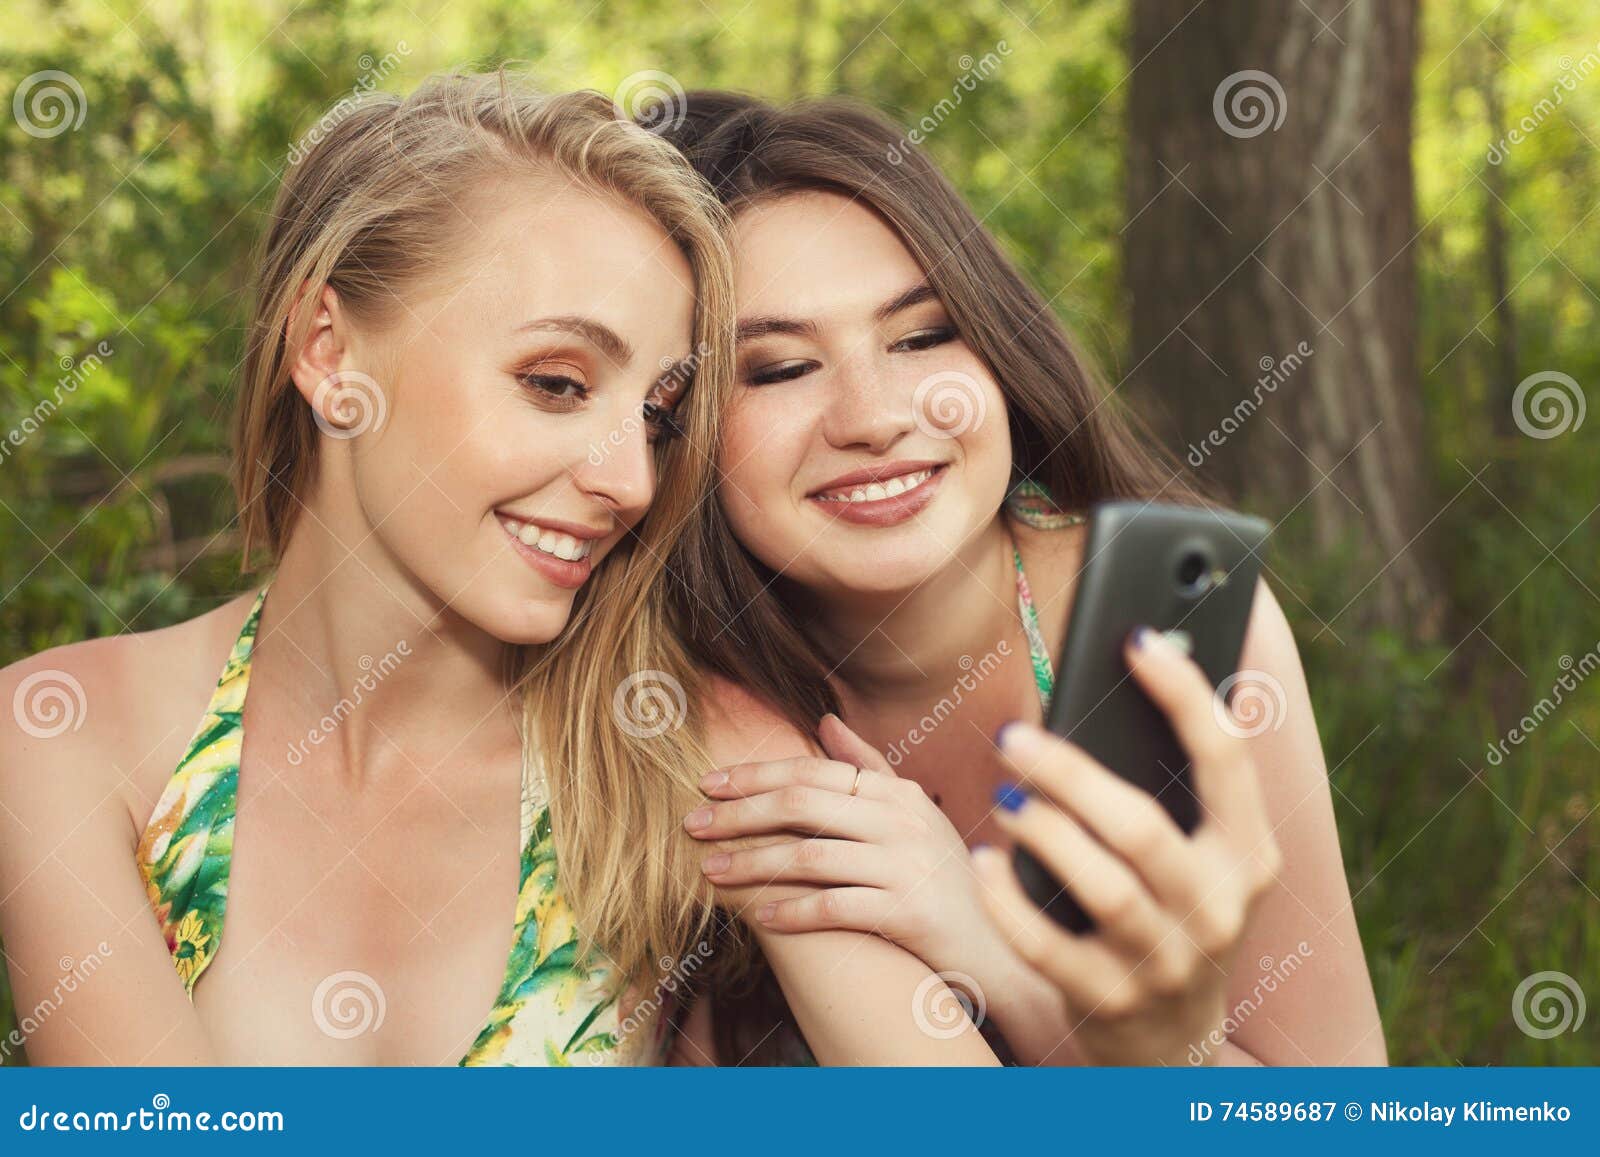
<point>888,648</point>
<point>349,636</point>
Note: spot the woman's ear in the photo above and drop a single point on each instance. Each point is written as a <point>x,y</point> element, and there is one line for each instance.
<point>344,401</point>
<point>322,350</point>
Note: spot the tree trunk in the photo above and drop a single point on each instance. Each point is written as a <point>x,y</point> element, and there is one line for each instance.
<point>1269,261</point>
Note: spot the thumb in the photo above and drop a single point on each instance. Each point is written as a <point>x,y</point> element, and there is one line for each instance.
<point>847,747</point>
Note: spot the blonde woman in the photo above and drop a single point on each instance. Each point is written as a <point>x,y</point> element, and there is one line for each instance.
<point>420,819</point>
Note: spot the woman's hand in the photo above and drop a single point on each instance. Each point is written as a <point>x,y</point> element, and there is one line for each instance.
<point>1150,980</point>
<point>886,859</point>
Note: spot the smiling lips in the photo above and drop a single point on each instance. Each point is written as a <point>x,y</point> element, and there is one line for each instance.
<point>561,555</point>
<point>883,495</point>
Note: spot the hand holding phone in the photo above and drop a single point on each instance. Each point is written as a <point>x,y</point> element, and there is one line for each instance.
<point>1189,572</point>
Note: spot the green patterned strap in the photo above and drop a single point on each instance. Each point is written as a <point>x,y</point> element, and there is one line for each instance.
<point>1043,672</point>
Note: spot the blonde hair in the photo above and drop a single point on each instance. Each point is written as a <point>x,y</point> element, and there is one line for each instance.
<point>368,211</point>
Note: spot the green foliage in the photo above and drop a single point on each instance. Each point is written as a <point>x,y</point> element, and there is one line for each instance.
<point>133,234</point>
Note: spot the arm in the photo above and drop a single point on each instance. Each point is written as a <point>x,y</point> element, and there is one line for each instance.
<point>93,981</point>
<point>1324,1011</point>
<point>1233,944</point>
<point>858,999</point>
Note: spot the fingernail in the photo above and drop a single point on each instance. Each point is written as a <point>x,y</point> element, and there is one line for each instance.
<point>712,780</point>
<point>700,818</point>
<point>1141,638</point>
<point>766,912</point>
<point>711,865</point>
<point>1002,732</point>
<point>1010,796</point>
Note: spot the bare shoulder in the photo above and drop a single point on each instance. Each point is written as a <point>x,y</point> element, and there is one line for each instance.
<point>1269,644</point>
<point>742,727</point>
<point>103,717</point>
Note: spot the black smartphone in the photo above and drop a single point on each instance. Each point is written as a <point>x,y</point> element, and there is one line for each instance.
<point>1185,570</point>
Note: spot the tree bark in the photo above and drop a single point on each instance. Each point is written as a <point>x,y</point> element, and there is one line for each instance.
<point>1270,268</point>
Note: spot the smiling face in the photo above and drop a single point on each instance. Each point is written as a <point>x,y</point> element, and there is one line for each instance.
<point>522,398</point>
<point>867,441</point>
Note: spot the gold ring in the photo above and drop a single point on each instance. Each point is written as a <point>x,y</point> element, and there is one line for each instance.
<point>855,784</point>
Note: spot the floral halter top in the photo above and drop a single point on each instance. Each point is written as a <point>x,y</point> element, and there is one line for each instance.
<point>1030,503</point>
<point>551,1010</point>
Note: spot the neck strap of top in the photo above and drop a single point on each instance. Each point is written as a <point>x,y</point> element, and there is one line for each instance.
<point>1031,504</point>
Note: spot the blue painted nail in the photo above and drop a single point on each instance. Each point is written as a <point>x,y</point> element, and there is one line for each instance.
<point>1141,636</point>
<point>1010,796</point>
<point>1000,733</point>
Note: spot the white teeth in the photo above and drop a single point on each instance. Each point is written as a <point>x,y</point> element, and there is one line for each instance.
<point>563,546</point>
<point>876,492</point>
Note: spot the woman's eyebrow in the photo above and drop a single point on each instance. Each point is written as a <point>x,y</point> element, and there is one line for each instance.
<point>607,340</point>
<point>755,327</point>
<point>916,295</point>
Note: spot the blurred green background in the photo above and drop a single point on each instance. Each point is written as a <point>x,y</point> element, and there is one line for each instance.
<point>134,228</point>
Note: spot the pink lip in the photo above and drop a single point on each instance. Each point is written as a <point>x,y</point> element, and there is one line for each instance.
<point>878,473</point>
<point>884,511</point>
<point>565,573</point>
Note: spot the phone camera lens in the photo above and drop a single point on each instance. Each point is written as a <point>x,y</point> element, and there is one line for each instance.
<point>1194,574</point>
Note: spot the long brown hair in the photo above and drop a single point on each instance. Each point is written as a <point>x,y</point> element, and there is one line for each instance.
<point>1068,433</point>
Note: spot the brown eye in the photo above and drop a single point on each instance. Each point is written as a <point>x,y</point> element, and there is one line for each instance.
<point>925,339</point>
<point>556,386</point>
